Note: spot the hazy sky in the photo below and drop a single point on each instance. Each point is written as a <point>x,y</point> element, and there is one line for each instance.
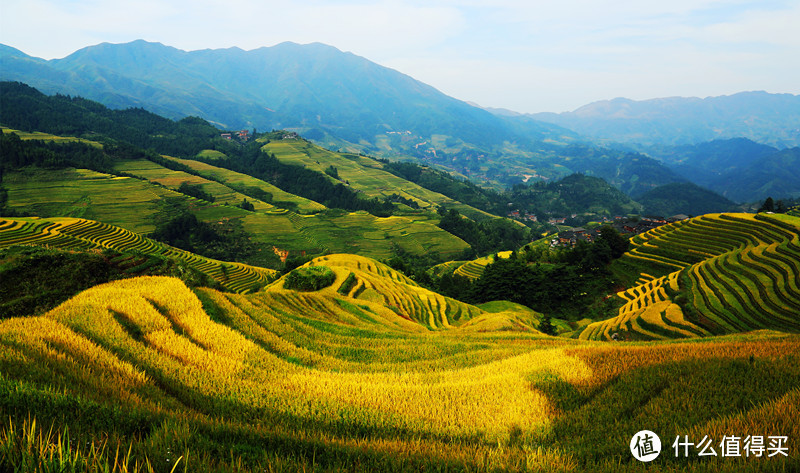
<point>525,55</point>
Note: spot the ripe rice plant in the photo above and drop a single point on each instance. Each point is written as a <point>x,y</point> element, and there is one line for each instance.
<point>320,380</point>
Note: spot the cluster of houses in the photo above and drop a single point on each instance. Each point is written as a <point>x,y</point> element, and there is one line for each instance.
<point>624,225</point>
<point>523,216</point>
<point>242,135</point>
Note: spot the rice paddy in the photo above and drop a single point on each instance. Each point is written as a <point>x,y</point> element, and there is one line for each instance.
<point>81,234</point>
<point>732,273</point>
<point>284,380</point>
<point>365,174</point>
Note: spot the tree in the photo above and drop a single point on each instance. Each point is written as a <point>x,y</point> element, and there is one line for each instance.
<point>616,242</point>
<point>333,172</point>
<point>546,326</point>
<point>247,205</point>
<point>768,206</point>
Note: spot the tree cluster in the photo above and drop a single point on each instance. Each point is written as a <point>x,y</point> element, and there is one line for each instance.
<point>16,153</point>
<point>226,240</point>
<point>196,191</point>
<point>486,236</point>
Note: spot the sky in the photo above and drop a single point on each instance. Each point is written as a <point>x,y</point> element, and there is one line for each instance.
<point>524,55</point>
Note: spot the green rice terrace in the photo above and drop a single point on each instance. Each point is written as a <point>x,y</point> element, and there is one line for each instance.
<point>96,196</point>
<point>710,275</point>
<point>365,174</point>
<point>81,234</point>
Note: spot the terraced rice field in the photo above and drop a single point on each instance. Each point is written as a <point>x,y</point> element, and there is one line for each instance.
<point>364,234</point>
<point>74,233</point>
<point>284,380</point>
<point>473,269</point>
<point>738,271</point>
<point>37,135</point>
<point>173,179</point>
<point>365,279</point>
<point>446,268</point>
<point>133,204</point>
<point>280,198</point>
<point>365,174</point>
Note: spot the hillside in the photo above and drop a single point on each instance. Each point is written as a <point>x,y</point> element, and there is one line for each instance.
<point>310,89</point>
<point>88,194</point>
<point>774,175</point>
<point>739,169</point>
<point>292,380</point>
<point>365,174</point>
<point>683,198</point>
<point>93,193</point>
<point>589,197</point>
<point>307,86</point>
<point>715,274</point>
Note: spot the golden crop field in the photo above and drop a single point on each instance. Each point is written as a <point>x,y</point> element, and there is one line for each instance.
<point>332,380</point>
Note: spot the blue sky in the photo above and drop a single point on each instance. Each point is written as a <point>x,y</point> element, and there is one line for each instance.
<point>524,55</point>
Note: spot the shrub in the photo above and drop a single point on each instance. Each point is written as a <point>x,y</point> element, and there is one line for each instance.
<point>310,278</point>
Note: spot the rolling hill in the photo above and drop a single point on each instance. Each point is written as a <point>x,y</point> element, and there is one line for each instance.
<point>343,363</point>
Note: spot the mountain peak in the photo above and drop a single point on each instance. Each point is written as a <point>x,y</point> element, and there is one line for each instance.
<point>8,51</point>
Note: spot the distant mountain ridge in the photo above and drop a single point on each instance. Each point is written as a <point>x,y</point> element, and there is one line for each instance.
<point>343,101</point>
<point>337,99</point>
<point>737,168</point>
<point>772,119</point>
<point>311,86</point>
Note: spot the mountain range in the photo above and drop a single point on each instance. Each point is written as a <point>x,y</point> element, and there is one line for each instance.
<point>772,119</point>
<point>314,88</point>
<point>346,102</point>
